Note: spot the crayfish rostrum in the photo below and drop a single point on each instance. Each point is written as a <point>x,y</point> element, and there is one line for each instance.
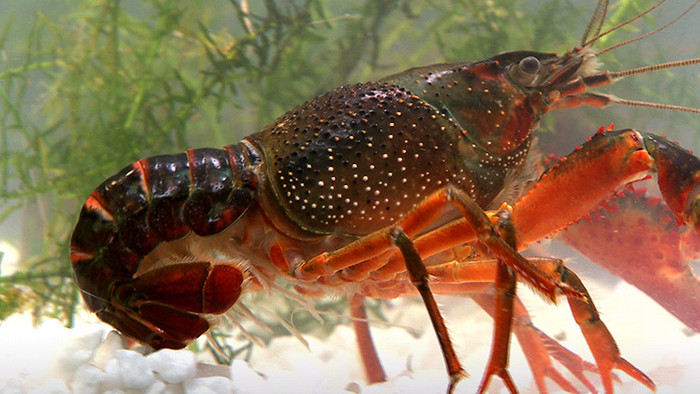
<point>422,182</point>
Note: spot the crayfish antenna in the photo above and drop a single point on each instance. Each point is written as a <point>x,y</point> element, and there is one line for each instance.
<point>600,100</point>
<point>597,20</point>
<point>599,17</point>
<point>647,104</point>
<point>615,75</point>
<point>606,77</point>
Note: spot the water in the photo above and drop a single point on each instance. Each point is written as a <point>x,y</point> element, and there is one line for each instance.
<point>49,173</point>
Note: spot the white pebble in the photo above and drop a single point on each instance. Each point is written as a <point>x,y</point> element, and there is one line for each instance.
<point>407,384</point>
<point>52,386</point>
<point>106,350</point>
<point>112,380</point>
<point>79,348</point>
<point>134,371</point>
<point>88,379</point>
<point>245,379</point>
<point>209,385</point>
<point>13,385</point>
<point>173,366</point>
<point>158,387</point>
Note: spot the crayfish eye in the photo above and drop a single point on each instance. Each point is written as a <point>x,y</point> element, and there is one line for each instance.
<point>525,73</point>
<point>529,65</point>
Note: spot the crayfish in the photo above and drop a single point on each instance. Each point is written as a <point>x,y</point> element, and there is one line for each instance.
<point>423,182</point>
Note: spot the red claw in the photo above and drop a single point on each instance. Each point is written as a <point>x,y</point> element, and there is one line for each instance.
<point>679,178</point>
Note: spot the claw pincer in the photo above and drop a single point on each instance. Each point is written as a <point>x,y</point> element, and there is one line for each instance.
<point>678,177</point>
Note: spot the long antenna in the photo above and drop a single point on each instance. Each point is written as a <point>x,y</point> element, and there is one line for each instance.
<point>615,75</point>
<point>601,10</point>
<point>628,21</point>
<point>654,67</point>
<point>646,104</point>
<point>682,14</point>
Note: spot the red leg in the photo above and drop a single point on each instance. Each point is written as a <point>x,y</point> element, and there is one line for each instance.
<point>365,251</point>
<point>504,296</point>
<point>372,245</point>
<point>368,353</point>
<point>419,278</point>
<point>539,349</point>
<point>450,278</point>
<point>502,327</point>
<point>599,339</point>
<point>479,223</point>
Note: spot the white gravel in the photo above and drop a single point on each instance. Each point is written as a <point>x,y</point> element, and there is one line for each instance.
<point>91,359</point>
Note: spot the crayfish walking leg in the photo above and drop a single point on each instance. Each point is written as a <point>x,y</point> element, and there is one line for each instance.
<point>478,228</point>
<point>540,350</point>
<point>419,277</point>
<point>368,352</point>
<point>504,297</point>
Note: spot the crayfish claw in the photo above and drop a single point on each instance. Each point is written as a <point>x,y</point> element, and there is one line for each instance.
<point>626,367</point>
<point>562,382</point>
<point>501,373</point>
<point>571,361</point>
<point>678,176</point>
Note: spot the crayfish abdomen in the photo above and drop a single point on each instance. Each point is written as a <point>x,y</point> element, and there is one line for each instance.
<point>151,202</point>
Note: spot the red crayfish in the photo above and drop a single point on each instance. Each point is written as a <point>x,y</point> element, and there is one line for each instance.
<point>420,183</point>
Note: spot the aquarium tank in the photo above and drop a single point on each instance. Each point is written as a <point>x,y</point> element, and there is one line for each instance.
<point>88,87</point>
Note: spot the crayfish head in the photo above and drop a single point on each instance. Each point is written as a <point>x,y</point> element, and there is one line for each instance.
<point>502,99</point>
<point>549,76</point>
<point>495,102</point>
<point>498,102</point>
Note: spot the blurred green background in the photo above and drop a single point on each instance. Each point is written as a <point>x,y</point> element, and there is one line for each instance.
<point>87,87</point>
